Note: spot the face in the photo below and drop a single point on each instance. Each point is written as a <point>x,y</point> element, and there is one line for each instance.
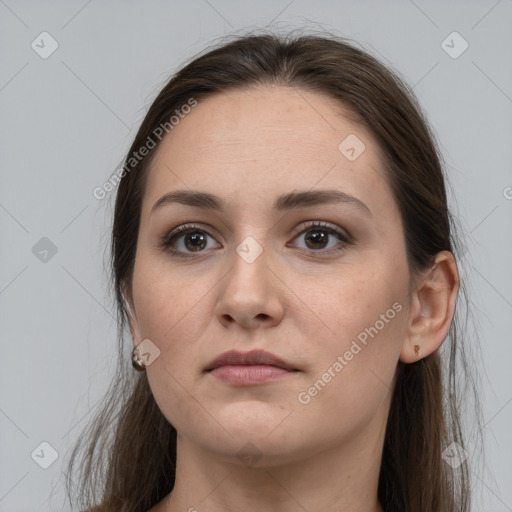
<point>321,284</point>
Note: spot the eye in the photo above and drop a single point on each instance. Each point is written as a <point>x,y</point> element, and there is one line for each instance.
<point>319,234</point>
<point>185,240</point>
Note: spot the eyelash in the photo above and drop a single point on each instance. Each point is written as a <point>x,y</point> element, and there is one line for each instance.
<point>170,238</point>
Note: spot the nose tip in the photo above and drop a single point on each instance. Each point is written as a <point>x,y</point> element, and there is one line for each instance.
<point>250,293</point>
<point>247,320</point>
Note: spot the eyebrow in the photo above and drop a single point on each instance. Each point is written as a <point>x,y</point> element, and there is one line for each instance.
<point>285,202</point>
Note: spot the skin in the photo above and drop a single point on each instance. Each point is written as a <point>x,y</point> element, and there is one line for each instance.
<point>305,303</point>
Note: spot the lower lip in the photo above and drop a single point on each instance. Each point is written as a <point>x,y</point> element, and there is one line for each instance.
<point>249,375</point>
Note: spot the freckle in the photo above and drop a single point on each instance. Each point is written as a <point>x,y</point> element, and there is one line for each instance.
<point>416,349</point>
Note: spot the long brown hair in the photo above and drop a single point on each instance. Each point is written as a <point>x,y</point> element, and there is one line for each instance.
<point>129,460</point>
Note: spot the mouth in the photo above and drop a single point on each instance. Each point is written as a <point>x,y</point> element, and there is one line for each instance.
<point>249,375</point>
<point>249,368</point>
<point>252,358</point>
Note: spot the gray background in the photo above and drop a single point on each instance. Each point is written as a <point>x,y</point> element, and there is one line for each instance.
<point>67,121</point>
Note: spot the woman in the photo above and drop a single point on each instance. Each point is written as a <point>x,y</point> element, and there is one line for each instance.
<point>283,254</point>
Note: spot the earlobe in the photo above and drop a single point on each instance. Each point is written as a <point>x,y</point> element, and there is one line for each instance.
<point>433,306</point>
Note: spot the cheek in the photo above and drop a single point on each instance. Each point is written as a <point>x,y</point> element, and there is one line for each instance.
<point>362,318</point>
<point>350,384</point>
<point>174,399</point>
<point>172,315</point>
<point>357,301</point>
<point>168,302</point>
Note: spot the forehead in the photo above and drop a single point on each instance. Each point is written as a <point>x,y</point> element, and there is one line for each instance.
<point>275,117</point>
<point>267,140</point>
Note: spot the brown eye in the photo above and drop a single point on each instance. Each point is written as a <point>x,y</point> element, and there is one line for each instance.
<point>185,240</point>
<point>318,236</point>
<point>194,240</point>
<point>317,239</point>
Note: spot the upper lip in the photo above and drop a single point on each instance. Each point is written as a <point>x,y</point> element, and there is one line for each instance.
<point>254,357</point>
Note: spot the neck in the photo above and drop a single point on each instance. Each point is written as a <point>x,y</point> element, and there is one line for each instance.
<point>345,479</point>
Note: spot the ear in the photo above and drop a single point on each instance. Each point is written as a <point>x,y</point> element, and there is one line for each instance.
<point>432,308</point>
<point>132,318</point>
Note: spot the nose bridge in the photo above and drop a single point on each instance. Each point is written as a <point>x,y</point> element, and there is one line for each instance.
<point>250,289</point>
<point>250,260</point>
<point>251,251</point>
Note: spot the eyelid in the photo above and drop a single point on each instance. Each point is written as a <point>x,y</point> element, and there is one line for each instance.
<point>346,238</point>
<point>328,226</point>
<point>302,227</point>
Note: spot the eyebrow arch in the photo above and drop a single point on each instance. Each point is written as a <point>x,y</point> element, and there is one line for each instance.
<point>285,202</point>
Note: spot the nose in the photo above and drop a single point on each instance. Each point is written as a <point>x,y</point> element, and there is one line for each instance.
<point>251,293</point>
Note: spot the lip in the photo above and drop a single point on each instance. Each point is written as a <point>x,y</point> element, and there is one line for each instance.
<point>249,375</point>
<point>254,357</point>
<point>249,368</point>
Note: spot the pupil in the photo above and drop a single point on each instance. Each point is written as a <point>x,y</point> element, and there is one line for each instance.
<point>317,237</point>
<point>196,237</point>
